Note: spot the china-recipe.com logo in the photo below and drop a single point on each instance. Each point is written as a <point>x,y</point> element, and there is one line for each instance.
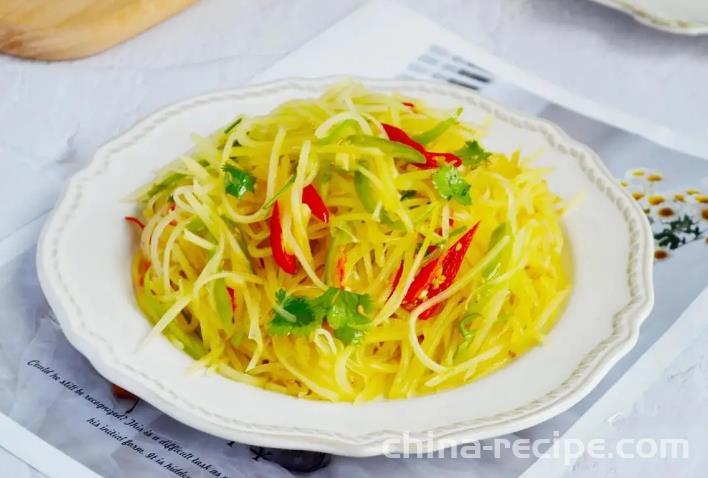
<point>566,449</point>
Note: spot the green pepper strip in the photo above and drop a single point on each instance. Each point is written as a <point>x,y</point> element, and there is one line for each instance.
<point>492,270</point>
<point>342,130</point>
<point>392,148</point>
<point>154,310</point>
<point>223,305</point>
<point>333,247</point>
<point>365,192</point>
<point>168,181</point>
<point>464,323</point>
<point>436,131</point>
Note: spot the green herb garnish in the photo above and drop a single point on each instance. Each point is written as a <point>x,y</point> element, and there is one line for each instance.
<point>297,315</point>
<point>473,154</point>
<point>451,185</point>
<point>346,312</point>
<point>237,181</point>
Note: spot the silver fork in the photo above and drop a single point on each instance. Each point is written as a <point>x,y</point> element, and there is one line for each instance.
<point>441,64</point>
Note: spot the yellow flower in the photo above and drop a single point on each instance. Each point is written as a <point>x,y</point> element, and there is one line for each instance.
<point>656,199</point>
<point>678,197</point>
<point>655,177</point>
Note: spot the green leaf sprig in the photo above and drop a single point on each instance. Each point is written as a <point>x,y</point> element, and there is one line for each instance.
<point>237,181</point>
<point>346,312</point>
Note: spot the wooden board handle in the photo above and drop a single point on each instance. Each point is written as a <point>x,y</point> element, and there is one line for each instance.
<point>69,29</point>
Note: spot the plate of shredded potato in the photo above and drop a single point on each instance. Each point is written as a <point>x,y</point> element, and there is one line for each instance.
<point>348,266</point>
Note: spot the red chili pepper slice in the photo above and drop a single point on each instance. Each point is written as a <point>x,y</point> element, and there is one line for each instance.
<point>448,157</point>
<point>409,104</point>
<point>341,267</point>
<point>438,275</point>
<point>283,258</point>
<point>418,291</point>
<point>399,272</point>
<point>232,297</point>
<point>135,221</point>
<point>142,270</point>
<point>314,201</point>
<point>396,134</point>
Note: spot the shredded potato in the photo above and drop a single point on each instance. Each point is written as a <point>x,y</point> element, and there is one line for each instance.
<point>207,276</point>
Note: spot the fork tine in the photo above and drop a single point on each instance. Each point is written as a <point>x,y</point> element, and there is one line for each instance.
<point>451,58</point>
<point>455,81</point>
<point>472,75</point>
<point>440,64</point>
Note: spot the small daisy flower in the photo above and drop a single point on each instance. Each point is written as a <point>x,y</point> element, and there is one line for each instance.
<point>655,199</point>
<point>676,218</point>
<point>654,177</point>
<point>666,212</point>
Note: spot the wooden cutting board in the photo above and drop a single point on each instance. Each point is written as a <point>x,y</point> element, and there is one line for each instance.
<point>68,29</point>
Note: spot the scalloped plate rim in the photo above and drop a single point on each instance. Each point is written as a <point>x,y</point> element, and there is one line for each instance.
<point>655,20</point>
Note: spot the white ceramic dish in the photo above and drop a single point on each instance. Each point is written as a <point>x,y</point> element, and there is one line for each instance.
<point>685,17</point>
<point>85,250</point>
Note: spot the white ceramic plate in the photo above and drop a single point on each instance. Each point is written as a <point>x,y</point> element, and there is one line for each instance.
<point>85,250</point>
<point>685,17</point>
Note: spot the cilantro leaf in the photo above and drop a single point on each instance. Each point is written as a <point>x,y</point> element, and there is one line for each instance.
<point>238,181</point>
<point>346,313</point>
<point>451,185</point>
<point>349,335</point>
<point>322,304</point>
<point>473,154</point>
<point>302,317</point>
<point>348,309</point>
